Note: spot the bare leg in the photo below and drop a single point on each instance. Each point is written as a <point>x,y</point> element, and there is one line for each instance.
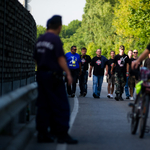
<point>108,88</point>
<point>131,92</point>
<point>112,89</point>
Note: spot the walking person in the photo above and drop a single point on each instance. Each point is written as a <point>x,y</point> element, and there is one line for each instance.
<point>52,103</point>
<point>74,63</point>
<point>111,78</point>
<point>85,60</point>
<point>145,53</point>
<point>130,54</point>
<point>147,62</point>
<point>133,74</point>
<point>121,72</point>
<point>98,63</point>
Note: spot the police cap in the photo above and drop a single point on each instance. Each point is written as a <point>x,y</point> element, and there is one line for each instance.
<point>56,19</point>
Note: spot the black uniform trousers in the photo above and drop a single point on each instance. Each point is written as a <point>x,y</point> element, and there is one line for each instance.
<point>75,75</point>
<point>52,104</point>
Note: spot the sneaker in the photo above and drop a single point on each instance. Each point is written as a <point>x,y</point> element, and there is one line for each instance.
<point>131,98</point>
<point>84,94</point>
<point>95,96</point>
<point>66,139</point>
<point>108,95</point>
<point>127,97</point>
<point>72,95</point>
<point>80,95</point>
<point>121,99</point>
<point>117,97</point>
<point>111,96</point>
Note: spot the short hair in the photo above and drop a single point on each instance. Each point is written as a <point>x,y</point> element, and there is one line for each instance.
<point>72,47</point>
<point>53,26</point>
<point>112,51</point>
<point>122,47</point>
<point>135,50</point>
<point>54,22</point>
<point>130,50</point>
<point>83,48</point>
<point>99,49</point>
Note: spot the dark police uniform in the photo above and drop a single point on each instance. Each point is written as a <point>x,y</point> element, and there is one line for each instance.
<point>52,102</point>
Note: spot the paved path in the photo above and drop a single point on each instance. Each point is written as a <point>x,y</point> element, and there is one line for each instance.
<point>100,124</point>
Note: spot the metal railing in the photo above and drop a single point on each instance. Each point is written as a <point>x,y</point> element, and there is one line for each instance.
<point>16,110</point>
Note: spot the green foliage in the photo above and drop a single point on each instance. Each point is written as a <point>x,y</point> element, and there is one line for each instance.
<point>69,30</point>
<point>132,23</point>
<point>40,30</point>
<point>107,24</point>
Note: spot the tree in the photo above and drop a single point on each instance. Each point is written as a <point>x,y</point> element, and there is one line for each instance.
<point>40,30</point>
<point>132,22</point>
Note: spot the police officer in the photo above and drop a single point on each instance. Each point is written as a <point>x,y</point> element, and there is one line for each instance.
<point>52,103</point>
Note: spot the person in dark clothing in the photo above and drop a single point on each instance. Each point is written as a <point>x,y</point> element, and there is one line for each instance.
<point>122,70</point>
<point>52,103</point>
<point>74,64</point>
<point>85,60</point>
<point>111,78</point>
<point>133,74</point>
<point>130,53</point>
<point>99,64</point>
<point>136,63</point>
<point>147,62</point>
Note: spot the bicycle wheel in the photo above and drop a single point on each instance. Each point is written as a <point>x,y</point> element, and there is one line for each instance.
<point>144,115</point>
<point>135,116</point>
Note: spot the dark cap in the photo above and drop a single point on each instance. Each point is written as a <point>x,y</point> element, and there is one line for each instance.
<point>56,19</point>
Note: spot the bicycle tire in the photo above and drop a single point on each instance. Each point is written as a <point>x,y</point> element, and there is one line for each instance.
<point>135,116</point>
<point>144,115</point>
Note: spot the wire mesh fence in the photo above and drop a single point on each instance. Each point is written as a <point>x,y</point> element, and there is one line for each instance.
<point>17,38</point>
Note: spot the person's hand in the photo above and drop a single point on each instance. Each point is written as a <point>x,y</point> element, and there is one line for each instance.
<point>111,72</point>
<point>89,74</point>
<point>106,73</point>
<point>69,78</point>
<point>135,64</point>
<point>127,74</point>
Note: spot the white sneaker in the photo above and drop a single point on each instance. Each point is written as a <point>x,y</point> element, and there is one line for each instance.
<point>131,98</point>
<point>108,95</point>
<point>111,96</point>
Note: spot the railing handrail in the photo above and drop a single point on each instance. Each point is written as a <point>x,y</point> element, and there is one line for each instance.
<point>13,102</point>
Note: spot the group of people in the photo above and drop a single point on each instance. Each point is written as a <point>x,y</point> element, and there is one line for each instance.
<point>53,111</point>
<point>117,69</point>
<point>78,66</point>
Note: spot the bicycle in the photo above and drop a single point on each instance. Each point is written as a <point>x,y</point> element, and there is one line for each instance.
<point>140,108</point>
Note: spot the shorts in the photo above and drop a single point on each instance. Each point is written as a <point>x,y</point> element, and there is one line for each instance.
<point>111,79</point>
<point>132,81</point>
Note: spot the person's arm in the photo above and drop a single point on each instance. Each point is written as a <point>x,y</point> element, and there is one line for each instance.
<point>80,69</point>
<point>112,67</point>
<point>127,71</point>
<point>91,67</point>
<point>63,64</point>
<point>106,73</point>
<point>135,64</point>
